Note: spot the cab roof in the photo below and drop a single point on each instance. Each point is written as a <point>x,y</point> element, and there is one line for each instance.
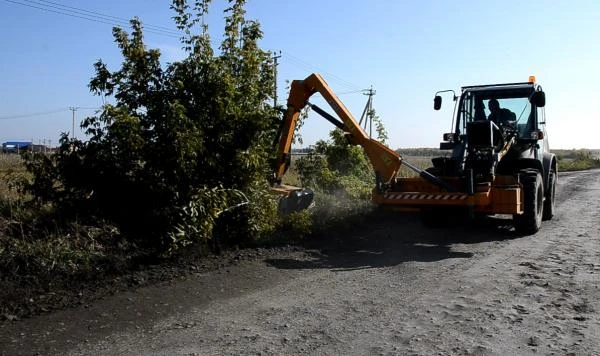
<point>486,87</point>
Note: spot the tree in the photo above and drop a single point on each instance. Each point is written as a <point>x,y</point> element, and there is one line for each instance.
<point>382,135</point>
<point>183,145</point>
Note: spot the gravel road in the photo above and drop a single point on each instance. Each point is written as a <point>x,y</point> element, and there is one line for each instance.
<point>392,288</point>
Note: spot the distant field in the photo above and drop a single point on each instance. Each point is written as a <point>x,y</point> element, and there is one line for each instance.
<point>573,154</point>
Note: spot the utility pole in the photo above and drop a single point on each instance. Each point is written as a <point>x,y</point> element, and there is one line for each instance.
<point>367,114</point>
<point>73,109</point>
<point>275,64</point>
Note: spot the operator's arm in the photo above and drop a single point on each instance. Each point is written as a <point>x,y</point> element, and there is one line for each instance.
<point>385,161</point>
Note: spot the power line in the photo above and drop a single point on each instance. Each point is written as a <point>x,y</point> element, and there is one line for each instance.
<point>73,109</point>
<point>54,7</point>
<point>66,12</point>
<point>350,92</point>
<point>23,116</point>
<point>330,76</point>
<point>45,113</point>
<point>122,19</point>
<point>76,12</point>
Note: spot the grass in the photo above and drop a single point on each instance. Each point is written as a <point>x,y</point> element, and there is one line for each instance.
<point>10,161</point>
<point>565,165</point>
<point>39,254</point>
<point>11,171</point>
<point>577,160</point>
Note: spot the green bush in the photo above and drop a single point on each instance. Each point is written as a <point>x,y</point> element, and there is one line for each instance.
<point>183,143</point>
<point>337,168</point>
<point>341,176</point>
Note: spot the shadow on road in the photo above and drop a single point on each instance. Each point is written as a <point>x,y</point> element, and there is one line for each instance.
<point>394,239</point>
<point>370,258</point>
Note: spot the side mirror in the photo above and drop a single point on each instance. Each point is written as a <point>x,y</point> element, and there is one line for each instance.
<point>537,135</point>
<point>437,102</point>
<point>449,137</point>
<point>449,141</point>
<point>539,99</point>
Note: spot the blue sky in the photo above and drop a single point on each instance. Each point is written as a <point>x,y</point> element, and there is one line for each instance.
<point>407,50</point>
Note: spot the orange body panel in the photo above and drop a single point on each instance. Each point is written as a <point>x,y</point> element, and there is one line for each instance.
<point>503,196</point>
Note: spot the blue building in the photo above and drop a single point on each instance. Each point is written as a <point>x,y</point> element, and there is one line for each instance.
<point>16,146</point>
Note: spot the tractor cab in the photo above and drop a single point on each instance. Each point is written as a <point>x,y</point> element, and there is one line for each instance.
<point>494,122</point>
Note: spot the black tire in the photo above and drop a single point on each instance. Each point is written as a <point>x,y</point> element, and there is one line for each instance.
<point>549,199</point>
<point>531,220</point>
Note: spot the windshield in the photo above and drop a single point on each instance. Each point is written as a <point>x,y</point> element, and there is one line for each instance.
<point>506,108</point>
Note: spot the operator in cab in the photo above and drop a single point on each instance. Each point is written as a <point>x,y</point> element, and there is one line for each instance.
<point>500,116</point>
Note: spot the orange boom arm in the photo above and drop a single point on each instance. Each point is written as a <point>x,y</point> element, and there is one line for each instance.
<point>385,161</point>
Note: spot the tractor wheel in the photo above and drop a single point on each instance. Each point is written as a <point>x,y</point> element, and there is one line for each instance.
<point>549,201</point>
<point>531,220</point>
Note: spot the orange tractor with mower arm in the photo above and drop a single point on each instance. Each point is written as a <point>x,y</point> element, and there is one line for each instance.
<point>498,159</point>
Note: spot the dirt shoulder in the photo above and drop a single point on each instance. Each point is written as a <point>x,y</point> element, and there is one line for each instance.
<point>392,287</point>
